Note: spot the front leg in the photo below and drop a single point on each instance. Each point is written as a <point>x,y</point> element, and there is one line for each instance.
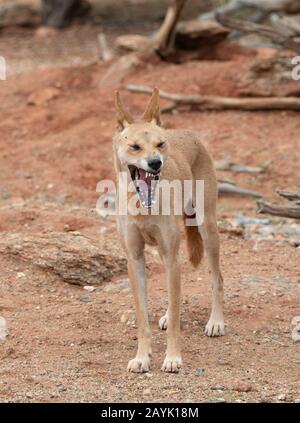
<point>136,271</point>
<point>172,361</point>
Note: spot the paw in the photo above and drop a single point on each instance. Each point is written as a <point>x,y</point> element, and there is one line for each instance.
<point>139,365</point>
<point>171,364</point>
<point>163,322</point>
<point>215,327</point>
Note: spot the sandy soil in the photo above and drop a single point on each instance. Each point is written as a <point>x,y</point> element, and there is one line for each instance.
<point>52,155</point>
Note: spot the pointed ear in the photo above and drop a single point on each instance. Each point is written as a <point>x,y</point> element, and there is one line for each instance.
<point>152,113</point>
<point>123,117</point>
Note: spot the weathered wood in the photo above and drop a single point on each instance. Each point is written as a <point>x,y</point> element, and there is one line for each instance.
<point>59,13</point>
<point>164,37</point>
<point>276,35</point>
<point>221,103</point>
<point>227,165</point>
<point>105,53</point>
<point>195,34</point>
<point>228,188</point>
<point>291,196</point>
<point>278,210</point>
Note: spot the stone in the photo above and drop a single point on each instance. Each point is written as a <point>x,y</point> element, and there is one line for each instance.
<point>242,387</point>
<point>76,259</point>
<point>3,329</point>
<point>43,96</point>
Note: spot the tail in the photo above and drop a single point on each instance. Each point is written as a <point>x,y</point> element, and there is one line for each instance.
<point>194,244</point>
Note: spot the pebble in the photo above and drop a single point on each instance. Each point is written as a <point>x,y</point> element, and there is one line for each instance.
<point>89,288</point>
<point>85,299</point>
<point>218,400</point>
<point>117,286</point>
<point>200,371</point>
<point>242,387</point>
<point>146,392</point>
<point>282,397</point>
<point>3,329</point>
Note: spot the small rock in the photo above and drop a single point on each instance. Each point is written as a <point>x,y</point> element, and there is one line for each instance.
<point>43,96</point>
<point>218,400</point>
<point>85,299</point>
<point>200,371</point>
<point>282,397</point>
<point>21,275</point>
<point>45,32</point>
<point>217,388</point>
<point>242,387</point>
<point>146,392</point>
<point>89,288</point>
<point>3,329</point>
<point>128,317</point>
<point>117,286</point>
<point>296,334</point>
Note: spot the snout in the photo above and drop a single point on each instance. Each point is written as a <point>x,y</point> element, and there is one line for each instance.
<point>155,164</point>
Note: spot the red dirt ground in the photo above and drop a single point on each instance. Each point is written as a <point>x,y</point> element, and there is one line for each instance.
<point>52,156</point>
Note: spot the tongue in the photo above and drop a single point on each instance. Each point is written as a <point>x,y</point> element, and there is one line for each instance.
<point>146,179</point>
<point>146,185</point>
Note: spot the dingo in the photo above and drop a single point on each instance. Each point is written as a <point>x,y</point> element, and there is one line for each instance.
<point>149,153</point>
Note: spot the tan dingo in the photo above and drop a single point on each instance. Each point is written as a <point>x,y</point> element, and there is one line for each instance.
<point>147,153</point>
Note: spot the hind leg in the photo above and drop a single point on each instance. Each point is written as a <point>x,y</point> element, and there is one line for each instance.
<point>210,236</point>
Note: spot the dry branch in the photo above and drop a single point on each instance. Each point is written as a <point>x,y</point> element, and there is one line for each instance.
<point>105,53</point>
<point>229,188</point>
<point>221,103</point>
<point>164,38</point>
<point>291,196</point>
<point>276,35</point>
<point>273,209</point>
<point>227,165</point>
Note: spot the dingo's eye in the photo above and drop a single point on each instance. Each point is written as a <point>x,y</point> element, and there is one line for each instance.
<point>161,144</point>
<point>135,147</point>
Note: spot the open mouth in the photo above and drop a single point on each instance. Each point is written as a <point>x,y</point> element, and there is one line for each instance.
<point>145,184</point>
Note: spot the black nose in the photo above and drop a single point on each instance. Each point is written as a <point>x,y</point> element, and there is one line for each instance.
<point>155,164</point>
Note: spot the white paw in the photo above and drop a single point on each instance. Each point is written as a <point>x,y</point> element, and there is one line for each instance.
<point>215,327</point>
<point>172,364</point>
<point>163,322</point>
<point>139,365</point>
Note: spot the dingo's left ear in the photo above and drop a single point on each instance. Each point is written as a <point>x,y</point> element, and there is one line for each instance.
<point>123,117</point>
<point>152,113</point>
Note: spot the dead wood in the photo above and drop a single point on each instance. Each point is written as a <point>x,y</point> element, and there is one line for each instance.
<point>105,52</point>
<point>221,103</point>
<point>276,35</point>
<point>278,210</point>
<point>291,196</point>
<point>76,259</point>
<point>139,49</point>
<point>229,188</point>
<point>287,6</point>
<point>227,165</point>
<point>164,38</point>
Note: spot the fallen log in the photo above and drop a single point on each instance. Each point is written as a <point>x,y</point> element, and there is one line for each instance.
<point>265,207</point>
<point>205,102</point>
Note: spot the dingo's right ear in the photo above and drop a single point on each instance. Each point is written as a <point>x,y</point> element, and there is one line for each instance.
<point>123,117</point>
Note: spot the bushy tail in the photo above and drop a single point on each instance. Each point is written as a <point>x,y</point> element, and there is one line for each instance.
<point>194,244</point>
